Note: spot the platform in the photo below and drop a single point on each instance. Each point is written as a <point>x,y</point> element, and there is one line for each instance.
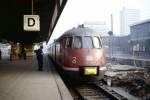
<point>20,80</point>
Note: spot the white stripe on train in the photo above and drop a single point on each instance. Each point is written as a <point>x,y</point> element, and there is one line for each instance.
<point>77,69</point>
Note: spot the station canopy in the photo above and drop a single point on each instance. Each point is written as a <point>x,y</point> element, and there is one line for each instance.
<point>12,15</point>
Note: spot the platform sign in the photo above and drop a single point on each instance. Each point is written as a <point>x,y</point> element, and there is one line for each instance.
<point>31,23</point>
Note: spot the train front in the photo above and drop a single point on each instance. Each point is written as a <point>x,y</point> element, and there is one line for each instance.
<point>85,56</point>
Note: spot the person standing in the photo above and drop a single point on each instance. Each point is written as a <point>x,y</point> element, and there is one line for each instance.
<point>24,53</point>
<point>39,55</point>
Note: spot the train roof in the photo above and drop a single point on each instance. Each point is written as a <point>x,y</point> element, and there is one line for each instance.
<point>80,31</point>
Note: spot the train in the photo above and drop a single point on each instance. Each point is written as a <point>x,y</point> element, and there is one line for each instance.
<point>79,52</point>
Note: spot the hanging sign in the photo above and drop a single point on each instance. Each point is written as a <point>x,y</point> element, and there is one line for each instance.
<point>31,23</point>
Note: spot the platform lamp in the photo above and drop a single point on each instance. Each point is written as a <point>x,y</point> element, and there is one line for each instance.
<point>110,40</point>
<point>133,52</point>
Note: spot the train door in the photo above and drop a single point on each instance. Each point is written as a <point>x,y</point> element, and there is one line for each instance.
<point>53,52</point>
<point>62,50</point>
<point>57,52</point>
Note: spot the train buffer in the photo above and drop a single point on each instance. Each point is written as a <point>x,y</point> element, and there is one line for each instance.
<point>21,80</point>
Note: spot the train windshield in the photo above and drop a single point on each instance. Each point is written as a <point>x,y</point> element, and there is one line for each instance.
<point>96,42</point>
<point>77,42</point>
<point>87,42</point>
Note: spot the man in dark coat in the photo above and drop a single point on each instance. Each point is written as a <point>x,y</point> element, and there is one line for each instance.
<point>24,53</point>
<point>39,54</point>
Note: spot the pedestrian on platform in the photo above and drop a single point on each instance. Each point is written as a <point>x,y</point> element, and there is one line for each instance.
<point>39,54</point>
<point>24,53</point>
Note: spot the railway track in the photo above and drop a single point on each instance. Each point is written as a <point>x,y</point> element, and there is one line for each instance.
<point>98,90</point>
<point>91,91</point>
<point>83,90</point>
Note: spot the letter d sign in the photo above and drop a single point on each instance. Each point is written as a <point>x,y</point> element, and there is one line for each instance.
<point>31,23</point>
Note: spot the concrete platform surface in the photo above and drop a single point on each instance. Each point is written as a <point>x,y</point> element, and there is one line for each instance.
<point>20,80</point>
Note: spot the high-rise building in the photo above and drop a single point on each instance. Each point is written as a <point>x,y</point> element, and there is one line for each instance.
<point>128,17</point>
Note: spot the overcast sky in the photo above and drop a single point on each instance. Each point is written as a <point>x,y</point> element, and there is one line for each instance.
<point>79,11</point>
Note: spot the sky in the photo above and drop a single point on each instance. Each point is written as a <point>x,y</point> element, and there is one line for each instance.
<point>77,12</point>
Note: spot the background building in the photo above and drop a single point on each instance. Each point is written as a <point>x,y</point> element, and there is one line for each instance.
<point>140,38</point>
<point>117,45</point>
<point>128,17</point>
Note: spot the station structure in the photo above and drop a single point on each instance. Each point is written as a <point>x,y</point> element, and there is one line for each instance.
<point>24,23</point>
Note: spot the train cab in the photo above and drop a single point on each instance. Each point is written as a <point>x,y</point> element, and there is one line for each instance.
<point>80,52</point>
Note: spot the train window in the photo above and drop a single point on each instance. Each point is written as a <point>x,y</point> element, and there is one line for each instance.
<point>77,42</point>
<point>69,42</point>
<point>87,42</point>
<point>96,42</point>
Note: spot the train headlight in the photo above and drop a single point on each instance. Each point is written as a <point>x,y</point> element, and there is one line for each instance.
<point>103,68</point>
<point>90,71</point>
<point>74,60</point>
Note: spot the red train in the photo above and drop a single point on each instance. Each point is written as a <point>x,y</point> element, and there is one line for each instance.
<point>79,52</point>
